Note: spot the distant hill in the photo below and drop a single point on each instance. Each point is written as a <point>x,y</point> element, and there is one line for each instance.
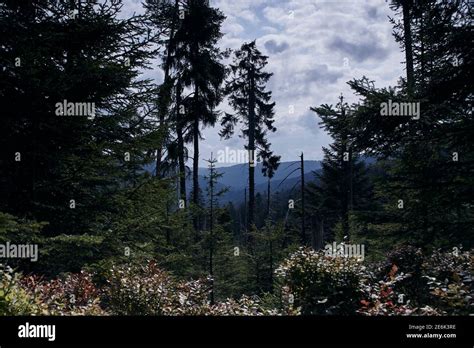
<point>236,177</point>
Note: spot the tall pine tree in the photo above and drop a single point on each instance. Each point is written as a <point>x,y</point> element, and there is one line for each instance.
<point>248,96</point>
<point>65,169</point>
<point>428,188</point>
<point>342,186</point>
<point>199,69</point>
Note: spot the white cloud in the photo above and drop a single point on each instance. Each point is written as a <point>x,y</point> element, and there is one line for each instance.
<point>314,48</point>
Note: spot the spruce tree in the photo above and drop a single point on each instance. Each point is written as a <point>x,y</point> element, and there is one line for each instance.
<point>342,186</point>
<point>199,69</point>
<point>55,51</point>
<point>213,194</point>
<point>66,169</point>
<point>250,100</point>
<point>406,7</point>
<point>424,167</point>
<point>163,15</point>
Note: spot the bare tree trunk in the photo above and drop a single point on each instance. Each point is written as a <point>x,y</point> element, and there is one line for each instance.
<point>245,212</point>
<point>211,228</point>
<point>196,216</point>
<point>179,134</point>
<point>268,198</point>
<point>407,5</point>
<point>345,178</point>
<point>303,213</point>
<point>165,90</point>
<point>321,234</point>
<point>271,265</point>
<point>196,162</point>
<point>251,148</point>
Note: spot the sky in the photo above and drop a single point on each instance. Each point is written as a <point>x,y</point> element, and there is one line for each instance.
<point>314,47</point>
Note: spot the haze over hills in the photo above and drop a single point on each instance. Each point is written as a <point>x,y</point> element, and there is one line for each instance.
<point>235,178</point>
<point>237,175</point>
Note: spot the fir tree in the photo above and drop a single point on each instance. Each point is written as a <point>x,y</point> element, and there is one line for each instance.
<point>213,195</point>
<point>69,168</point>
<point>342,185</point>
<point>198,67</point>
<point>248,96</point>
<point>424,169</point>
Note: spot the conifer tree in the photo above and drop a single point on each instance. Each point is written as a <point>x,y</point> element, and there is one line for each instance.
<point>164,17</point>
<point>213,194</point>
<point>250,100</point>
<point>68,168</point>
<point>407,13</point>
<point>342,185</point>
<point>199,69</point>
<point>424,166</point>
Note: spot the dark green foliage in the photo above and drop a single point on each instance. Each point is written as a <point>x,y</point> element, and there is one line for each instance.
<point>414,285</point>
<point>342,189</point>
<point>449,276</point>
<point>322,285</point>
<point>429,164</point>
<point>197,60</point>
<point>80,187</point>
<point>63,158</point>
<point>247,93</point>
<point>411,282</point>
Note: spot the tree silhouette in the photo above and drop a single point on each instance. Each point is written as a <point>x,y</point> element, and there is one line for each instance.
<point>250,100</point>
<point>198,67</point>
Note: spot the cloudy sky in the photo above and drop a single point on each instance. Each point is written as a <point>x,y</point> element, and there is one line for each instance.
<point>314,48</point>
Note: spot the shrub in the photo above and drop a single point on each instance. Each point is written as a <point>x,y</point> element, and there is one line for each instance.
<point>14,300</point>
<point>308,282</point>
<point>246,305</point>
<point>148,290</point>
<point>449,276</point>
<point>383,297</point>
<point>414,284</point>
<point>406,262</point>
<point>322,284</point>
<point>74,294</point>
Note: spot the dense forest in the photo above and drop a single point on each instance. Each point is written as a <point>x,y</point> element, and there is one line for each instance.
<point>105,208</point>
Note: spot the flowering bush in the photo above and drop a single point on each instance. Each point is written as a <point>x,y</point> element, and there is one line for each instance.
<point>397,286</point>
<point>407,262</point>
<point>14,299</point>
<point>383,297</point>
<point>246,305</point>
<point>414,284</point>
<point>148,290</point>
<point>449,276</point>
<point>250,306</point>
<point>309,282</point>
<point>322,284</point>
<point>75,294</point>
